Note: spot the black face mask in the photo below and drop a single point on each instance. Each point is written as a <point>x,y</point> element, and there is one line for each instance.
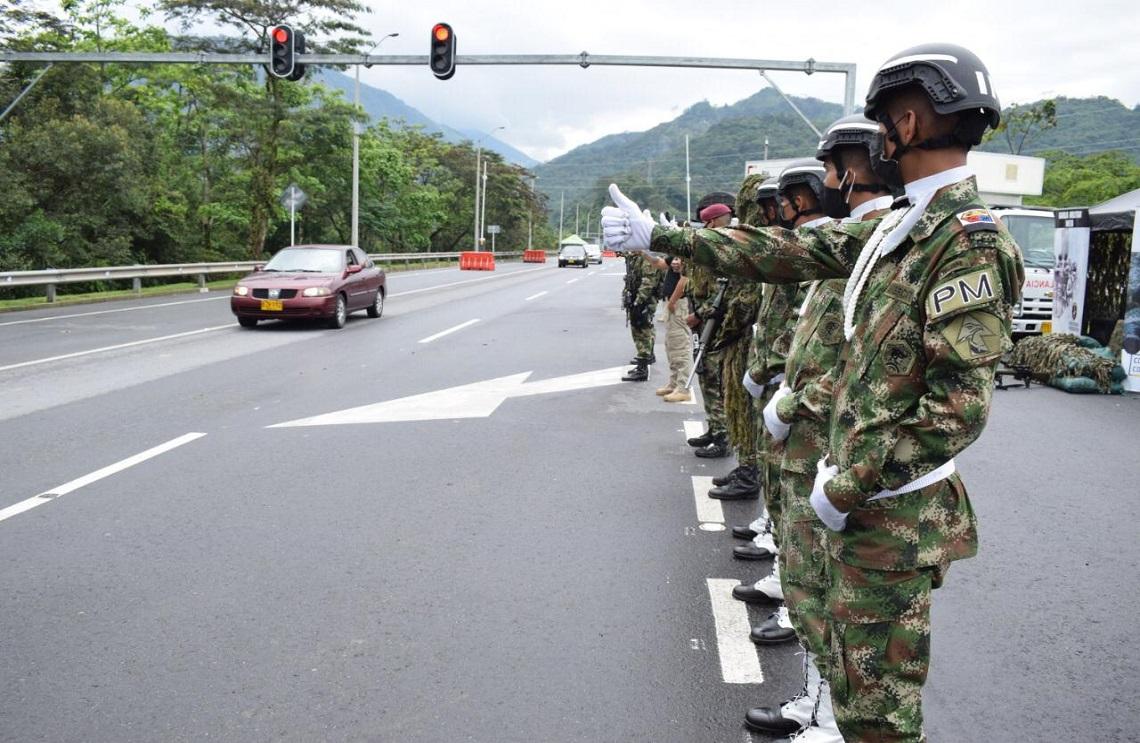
<point>887,170</point>
<point>833,203</point>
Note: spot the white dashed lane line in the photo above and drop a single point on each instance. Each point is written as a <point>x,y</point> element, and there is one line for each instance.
<point>739,663</point>
<point>69,487</point>
<point>108,312</point>
<point>571,281</point>
<point>535,296</point>
<point>449,331</point>
<point>117,346</point>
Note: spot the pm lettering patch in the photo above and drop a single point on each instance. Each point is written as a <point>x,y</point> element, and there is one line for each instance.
<point>974,335</point>
<point>967,291</point>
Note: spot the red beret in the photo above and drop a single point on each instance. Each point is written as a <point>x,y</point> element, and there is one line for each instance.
<point>712,211</point>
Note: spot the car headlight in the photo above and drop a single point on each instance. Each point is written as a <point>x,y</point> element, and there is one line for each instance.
<point>316,291</point>
<point>241,291</point>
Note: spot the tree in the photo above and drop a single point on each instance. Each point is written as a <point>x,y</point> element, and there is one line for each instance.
<point>1019,122</point>
<point>1074,180</point>
<point>328,25</point>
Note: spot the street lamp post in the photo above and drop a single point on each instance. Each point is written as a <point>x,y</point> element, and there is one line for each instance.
<point>479,167</point>
<point>356,127</point>
<point>530,216</point>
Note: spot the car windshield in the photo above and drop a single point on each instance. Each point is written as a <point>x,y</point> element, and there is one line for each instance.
<point>1034,235</point>
<point>310,260</point>
<point>573,251</point>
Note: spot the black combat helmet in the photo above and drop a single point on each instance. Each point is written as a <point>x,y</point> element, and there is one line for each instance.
<point>716,197</point>
<point>952,77</point>
<point>850,131</point>
<point>768,189</point>
<point>806,171</point>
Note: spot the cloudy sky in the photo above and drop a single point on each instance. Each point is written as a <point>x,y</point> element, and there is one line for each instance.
<point>1032,51</point>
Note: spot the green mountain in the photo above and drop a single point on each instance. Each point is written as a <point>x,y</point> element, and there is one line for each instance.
<point>1085,126</point>
<point>651,164</point>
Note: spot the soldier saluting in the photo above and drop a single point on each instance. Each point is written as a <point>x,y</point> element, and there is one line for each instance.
<point>927,314</point>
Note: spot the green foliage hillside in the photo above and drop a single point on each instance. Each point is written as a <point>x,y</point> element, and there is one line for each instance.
<point>651,164</point>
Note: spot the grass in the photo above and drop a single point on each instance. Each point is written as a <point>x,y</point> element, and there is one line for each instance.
<point>184,287</point>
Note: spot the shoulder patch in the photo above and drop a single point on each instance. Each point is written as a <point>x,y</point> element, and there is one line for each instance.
<point>976,220</point>
<point>974,335</point>
<point>969,290</point>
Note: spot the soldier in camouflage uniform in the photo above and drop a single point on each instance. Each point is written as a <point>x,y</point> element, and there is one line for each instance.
<point>927,315</point>
<point>639,299</point>
<point>713,443</point>
<point>850,191</point>
<point>800,190</point>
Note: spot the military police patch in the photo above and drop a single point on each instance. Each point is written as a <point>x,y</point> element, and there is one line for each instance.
<point>967,291</point>
<point>898,358</point>
<point>974,220</point>
<point>974,335</point>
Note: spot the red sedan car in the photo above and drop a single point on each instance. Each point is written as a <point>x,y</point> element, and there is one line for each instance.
<point>311,281</point>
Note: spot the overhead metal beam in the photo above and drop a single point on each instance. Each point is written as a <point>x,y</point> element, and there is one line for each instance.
<point>582,59</point>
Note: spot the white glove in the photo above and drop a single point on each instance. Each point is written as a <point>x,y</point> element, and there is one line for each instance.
<point>615,227</point>
<point>665,221</point>
<point>772,422</point>
<point>754,388</point>
<point>638,229</point>
<point>831,517</point>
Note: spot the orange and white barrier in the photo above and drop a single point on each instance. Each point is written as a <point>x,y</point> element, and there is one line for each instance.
<point>534,256</point>
<point>476,261</point>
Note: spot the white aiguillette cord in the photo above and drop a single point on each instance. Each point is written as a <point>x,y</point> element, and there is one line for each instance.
<point>888,235</point>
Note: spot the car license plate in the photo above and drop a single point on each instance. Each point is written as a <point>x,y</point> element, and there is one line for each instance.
<point>1046,327</point>
<point>271,305</point>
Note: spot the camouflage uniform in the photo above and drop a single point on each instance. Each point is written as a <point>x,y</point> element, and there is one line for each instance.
<point>702,291</point>
<point>814,351</point>
<point>728,343</point>
<point>639,300</point>
<point>912,389</point>
<point>775,321</point>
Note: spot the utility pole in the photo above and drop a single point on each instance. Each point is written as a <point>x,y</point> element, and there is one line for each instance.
<point>576,220</point>
<point>765,148</point>
<point>530,216</point>
<point>688,181</point>
<point>483,209</point>
<point>477,166</point>
<point>561,210</point>
<point>356,127</point>
<point>588,216</point>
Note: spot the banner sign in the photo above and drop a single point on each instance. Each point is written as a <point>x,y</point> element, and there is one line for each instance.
<point>1130,356</point>
<point>1070,270</point>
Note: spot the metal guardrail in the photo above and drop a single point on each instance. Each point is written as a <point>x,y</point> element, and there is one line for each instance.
<point>54,276</point>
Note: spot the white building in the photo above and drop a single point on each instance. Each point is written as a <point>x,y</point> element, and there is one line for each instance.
<point>1003,180</point>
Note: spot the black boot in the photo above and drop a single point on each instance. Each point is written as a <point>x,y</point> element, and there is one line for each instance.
<point>726,479</point>
<point>639,373</point>
<point>704,439</point>
<point>639,359</point>
<point>744,487</point>
<point>715,450</point>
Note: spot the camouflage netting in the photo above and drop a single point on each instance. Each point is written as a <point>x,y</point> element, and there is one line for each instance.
<point>737,401</point>
<point>1065,362</point>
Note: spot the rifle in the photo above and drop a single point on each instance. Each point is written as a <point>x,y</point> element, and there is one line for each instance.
<point>709,328</point>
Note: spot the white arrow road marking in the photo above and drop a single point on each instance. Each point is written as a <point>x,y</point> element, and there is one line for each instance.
<point>449,331</point>
<point>132,344</point>
<point>476,400</point>
<point>68,487</point>
<point>739,663</point>
<point>709,511</point>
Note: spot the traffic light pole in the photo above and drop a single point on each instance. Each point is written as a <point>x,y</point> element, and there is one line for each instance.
<point>583,60</point>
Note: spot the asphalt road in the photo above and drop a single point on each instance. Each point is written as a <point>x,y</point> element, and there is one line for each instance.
<point>527,567</point>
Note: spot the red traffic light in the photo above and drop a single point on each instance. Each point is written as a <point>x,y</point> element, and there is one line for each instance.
<point>280,34</point>
<point>441,32</point>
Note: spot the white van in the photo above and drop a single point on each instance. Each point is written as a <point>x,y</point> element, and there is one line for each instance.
<point>593,253</point>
